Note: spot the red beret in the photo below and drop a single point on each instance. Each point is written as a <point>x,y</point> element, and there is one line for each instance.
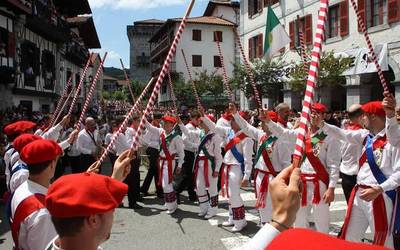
<point>273,116</point>
<point>227,116</point>
<point>168,118</point>
<point>21,141</point>
<point>40,151</point>
<point>374,108</point>
<point>17,128</point>
<point>211,117</point>
<point>319,107</point>
<point>306,239</point>
<point>84,194</point>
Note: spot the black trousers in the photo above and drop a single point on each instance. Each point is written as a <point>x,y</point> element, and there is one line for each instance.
<point>152,172</point>
<point>85,162</point>
<point>396,241</point>
<point>348,183</point>
<point>74,163</point>
<point>187,175</point>
<point>133,182</point>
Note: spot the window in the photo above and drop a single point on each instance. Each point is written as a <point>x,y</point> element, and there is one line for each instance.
<point>218,36</point>
<point>196,35</point>
<point>30,62</point>
<point>271,2</point>
<point>332,29</point>
<point>217,62</point>
<point>255,7</point>
<point>376,12</point>
<point>304,25</point>
<point>196,61</point>
<point>256,47</point>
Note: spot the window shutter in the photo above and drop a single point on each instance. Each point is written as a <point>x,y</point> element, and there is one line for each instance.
<point>361,9</point>
<point>260,49</point>
<point>308,29</point>
<point>250,7</point>
<point>11,44</point>
<point>291,34</point>
<point>250,49</point>
<point>344,18</point>
<point>260,6</point>
<point>393,11</point>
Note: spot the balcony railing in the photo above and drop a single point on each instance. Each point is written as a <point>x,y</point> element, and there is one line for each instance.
<point>160,47</point>
<point>76,53</point>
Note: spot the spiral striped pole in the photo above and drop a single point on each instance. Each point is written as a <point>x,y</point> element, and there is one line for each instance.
<point>61,111</point>
<point>370,47</point>
<point>171,86</point>
<point>125,122</point>
<point>224,74</point>
<point>71,108</point>
<point>196,94</point>
<point>312,78</point>
<point>248,69</point>
<point>128,80</point>
<point>160,79</point>
<point>58,107</point>
<point>91,90</point>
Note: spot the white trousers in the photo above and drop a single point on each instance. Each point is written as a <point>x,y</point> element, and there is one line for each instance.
<point>362,216</point>
<point>201,189</point>
<point>168,188</point>
<point>320,211</point>
<point>266,212</point>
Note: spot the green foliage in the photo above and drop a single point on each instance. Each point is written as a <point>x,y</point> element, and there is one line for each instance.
<point>106,95</point>
<point>115,72</point>
<point>331,68</point>
<point>118,95</point>
<point>268,75</point>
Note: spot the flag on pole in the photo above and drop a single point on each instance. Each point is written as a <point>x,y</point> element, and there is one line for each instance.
<point>275,35</point>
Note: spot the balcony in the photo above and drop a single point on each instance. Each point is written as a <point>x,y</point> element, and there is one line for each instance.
<point>156,69</point>
<point>76,53</point>
<point>45,22</point>
<point>21,6</point>
<point>160,48</point>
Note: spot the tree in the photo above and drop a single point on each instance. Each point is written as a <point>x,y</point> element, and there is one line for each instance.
<point>330,71</point>
<point>268,75</point>
<point>106,95</point>
<point>119,95</point>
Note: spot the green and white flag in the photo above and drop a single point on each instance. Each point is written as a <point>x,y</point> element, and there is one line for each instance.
<point>275,35</point>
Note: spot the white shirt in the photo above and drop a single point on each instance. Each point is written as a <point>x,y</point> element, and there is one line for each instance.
<point>18,177</point>
<point>151,140</point>
<point>388,163</point>
<point>262,239</point>
<point>213,146</point>
<point>175,145</point>
<point>351,154</point>
<point>245,147</point>
<point>11,156</point>
<point>191,140</point>
<point>53,133</point>
<point>281,150</point>
<point>85,143</point>
<point>37,230</point>
<point>53,245</point>
<point>329,151</point>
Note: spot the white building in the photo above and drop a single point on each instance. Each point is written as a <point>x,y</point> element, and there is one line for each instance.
<point>342,34</point>
<point>198,43</point>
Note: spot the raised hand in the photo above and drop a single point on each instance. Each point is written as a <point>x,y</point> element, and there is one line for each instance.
<point>389,104</point>
<point>122,166</point>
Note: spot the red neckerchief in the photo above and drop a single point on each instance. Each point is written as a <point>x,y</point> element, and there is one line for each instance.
<point>354,126</point>
<point>282,122</point>
<point>193,124</point>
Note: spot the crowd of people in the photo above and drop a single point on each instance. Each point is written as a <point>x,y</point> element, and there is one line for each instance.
<point>208,155</point>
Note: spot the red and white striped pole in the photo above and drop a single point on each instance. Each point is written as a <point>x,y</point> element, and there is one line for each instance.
<point>71,108</point>
<point>311,81</point>
<point>248,69</point>
<point>160,79</point>
<point>171,86</point>
<point>125,122</point>
<point>224,74</point>
<point>128,81</point>
<point>370,47</point>
<point>63,106</point>
<point>60,101</point>
<point>91,90</point>
<point>196,94</point>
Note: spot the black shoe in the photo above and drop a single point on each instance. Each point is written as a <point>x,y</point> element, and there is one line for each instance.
<point>140,198</point>
<point>135,206</point>
<point>145,193</point>
<point>178,199</point>
<point>160,195</point>
<point>192,197</point>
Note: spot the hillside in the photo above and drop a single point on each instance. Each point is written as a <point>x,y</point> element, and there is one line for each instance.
<point>115,72</point>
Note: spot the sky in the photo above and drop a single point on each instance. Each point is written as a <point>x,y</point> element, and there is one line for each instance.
<point>111,18</point>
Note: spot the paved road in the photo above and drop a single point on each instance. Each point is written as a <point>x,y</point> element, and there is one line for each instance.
<point>152,228</point>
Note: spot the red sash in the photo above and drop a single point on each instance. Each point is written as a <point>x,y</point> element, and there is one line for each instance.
<point>24,209</point>
<point>205,169</point>
<point>378,144</point>
<point>225,180</point>
<point>380,217</point>
<point>266,158</point>
<point>316,163</point>
<point>262,192</point>
<point>169,158</point>
<point>236,140</point>
<point>314,179</point>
